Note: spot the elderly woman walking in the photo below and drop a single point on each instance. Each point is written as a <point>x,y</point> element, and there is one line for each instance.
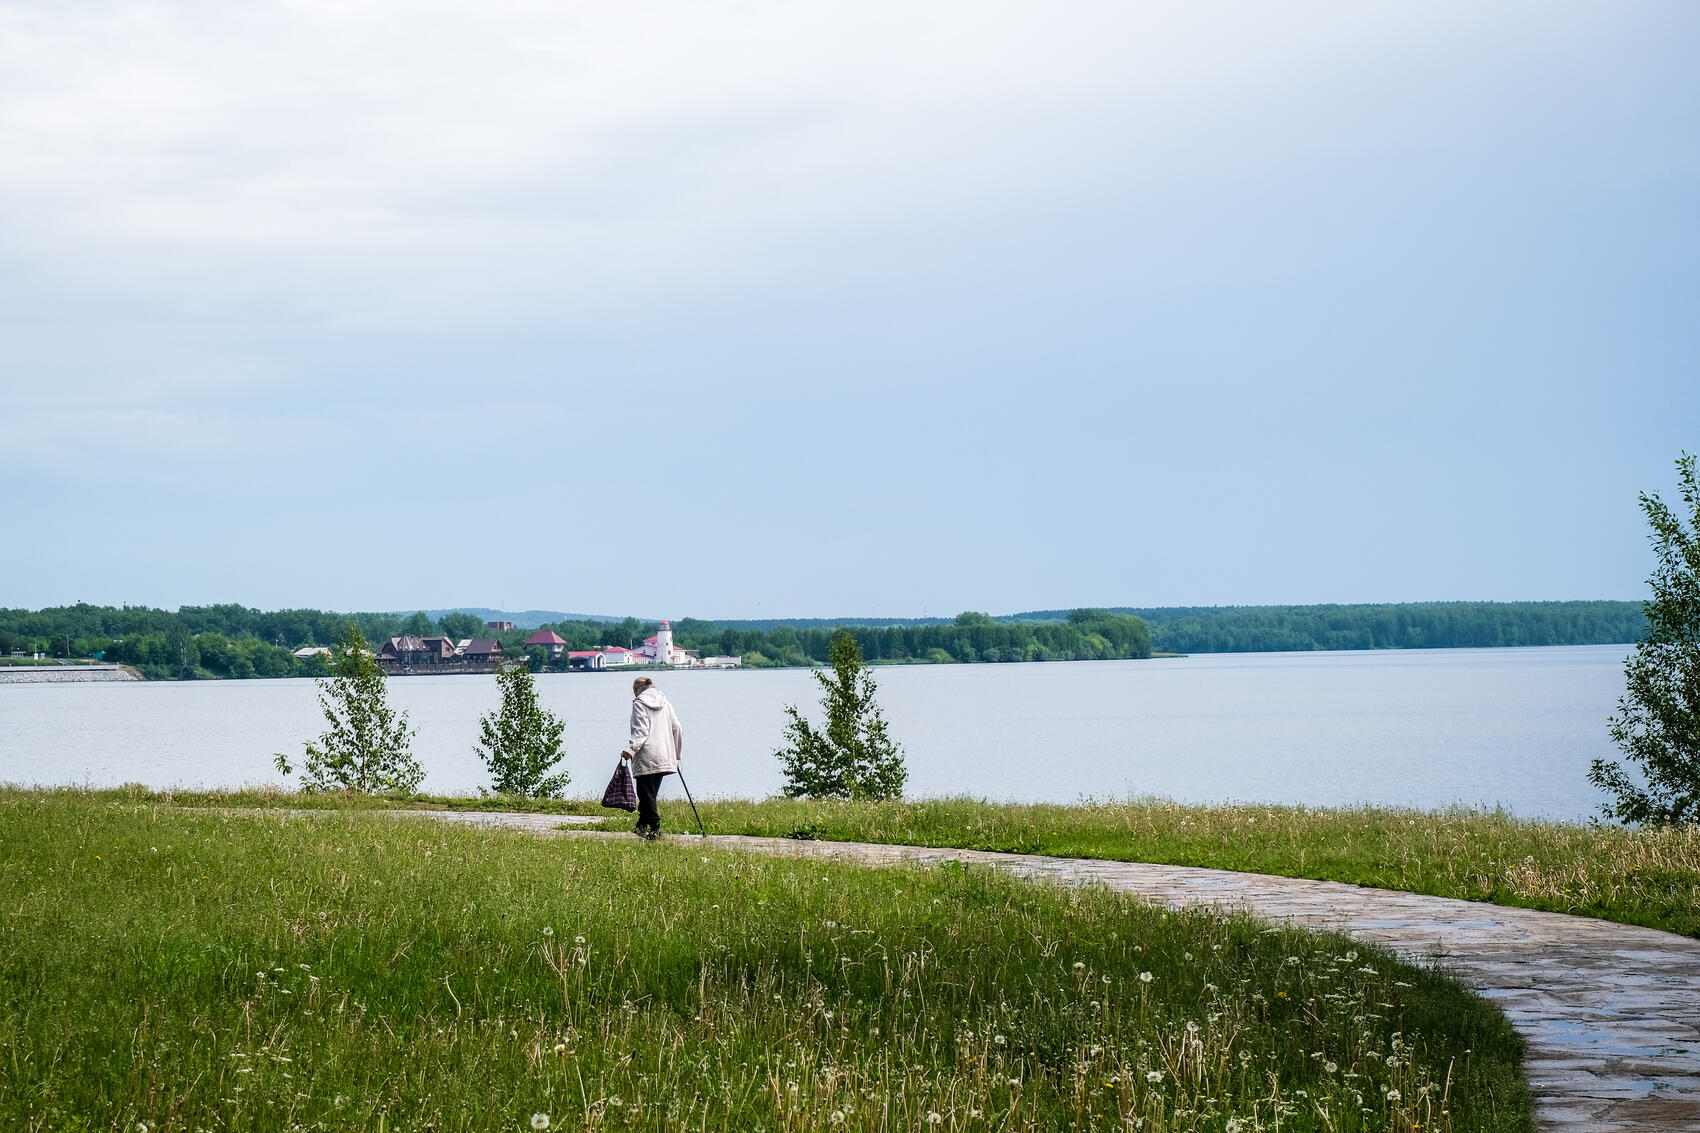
<point>654,750</point>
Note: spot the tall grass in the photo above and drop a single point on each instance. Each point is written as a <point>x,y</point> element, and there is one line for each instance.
<point>1643,877</point>
<point>186,970</point>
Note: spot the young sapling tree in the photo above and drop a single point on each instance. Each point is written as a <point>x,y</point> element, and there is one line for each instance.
<point>367,745</point>
<point>854,756</point>
<point>1658,718</point>
<point>522,741</point>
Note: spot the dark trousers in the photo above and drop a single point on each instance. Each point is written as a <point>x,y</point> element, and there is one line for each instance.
<point>648,786</point>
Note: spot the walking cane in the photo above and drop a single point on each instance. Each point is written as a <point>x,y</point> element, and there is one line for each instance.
<point>692,801</point>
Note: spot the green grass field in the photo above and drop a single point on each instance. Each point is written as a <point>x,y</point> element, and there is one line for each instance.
<point>1641,877</point>
<point>180,969</point>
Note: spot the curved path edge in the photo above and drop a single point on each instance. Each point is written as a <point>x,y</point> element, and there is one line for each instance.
<point>1610,1013</point>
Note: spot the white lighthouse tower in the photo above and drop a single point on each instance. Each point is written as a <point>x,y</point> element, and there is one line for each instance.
<point>664,644</point>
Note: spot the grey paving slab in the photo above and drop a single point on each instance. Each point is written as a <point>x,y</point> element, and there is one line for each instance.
<point>1610,1012</point>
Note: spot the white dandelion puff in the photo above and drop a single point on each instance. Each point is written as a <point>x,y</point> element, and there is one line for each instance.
<point>1144,977</point>
<point>540,1121</point>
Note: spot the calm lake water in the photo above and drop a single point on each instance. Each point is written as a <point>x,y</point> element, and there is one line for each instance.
<point>1511,727</point>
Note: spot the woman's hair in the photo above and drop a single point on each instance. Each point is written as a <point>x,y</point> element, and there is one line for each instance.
<point>640,684</point>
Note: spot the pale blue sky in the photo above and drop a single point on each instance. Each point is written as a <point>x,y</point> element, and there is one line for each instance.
<point>771,309</point>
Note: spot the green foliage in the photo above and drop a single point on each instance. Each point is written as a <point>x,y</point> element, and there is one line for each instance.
<point>1657,723</point>
<point>163,645</point>
<point>366,746</point>
<point>522,741</point>
<point>853,757</point>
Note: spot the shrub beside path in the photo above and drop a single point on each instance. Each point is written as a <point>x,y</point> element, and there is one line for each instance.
<point>1610,1012</point>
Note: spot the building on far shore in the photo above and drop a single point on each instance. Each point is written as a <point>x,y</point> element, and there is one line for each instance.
<point>500,627</point>
<point>657,650</point>
<point>485,650</point>
<point>551,641</point>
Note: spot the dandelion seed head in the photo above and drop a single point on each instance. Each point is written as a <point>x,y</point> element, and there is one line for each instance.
<point>1153,1076</point>
<point>933,1117</point>
<point>540,1121</point>
<point>1144,977</point>
<point>1079,965</point>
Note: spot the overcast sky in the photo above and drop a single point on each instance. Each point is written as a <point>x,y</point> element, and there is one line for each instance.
<point>767,309</point>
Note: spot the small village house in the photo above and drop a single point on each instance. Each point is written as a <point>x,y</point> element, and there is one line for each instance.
<point>551,641</point>
<point>482,650</point>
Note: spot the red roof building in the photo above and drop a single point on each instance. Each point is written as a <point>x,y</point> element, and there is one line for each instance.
<point>549,640</point>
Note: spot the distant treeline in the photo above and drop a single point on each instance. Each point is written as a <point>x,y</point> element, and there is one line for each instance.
<point>235,641</point>
<point>1406,625</point>
<point>1080,635</point>
<point>231,641</point>
<point>213,641</point>
<point>1275,629</point>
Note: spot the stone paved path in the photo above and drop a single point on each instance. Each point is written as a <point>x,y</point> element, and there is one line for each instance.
<point>1611,1013</point>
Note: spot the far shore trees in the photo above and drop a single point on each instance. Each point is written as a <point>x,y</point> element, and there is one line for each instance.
<point>522,741</point>
<point>367,746</point>
<point>853,756</point>
<point>1658,719</point>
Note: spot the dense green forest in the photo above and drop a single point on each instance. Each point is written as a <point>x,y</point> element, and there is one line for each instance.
<point>1275,629</point>
<point>227,641</point>
<point>1405,625</point>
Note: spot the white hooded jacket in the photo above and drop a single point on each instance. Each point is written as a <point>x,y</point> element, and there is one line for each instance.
<point>657,738</point>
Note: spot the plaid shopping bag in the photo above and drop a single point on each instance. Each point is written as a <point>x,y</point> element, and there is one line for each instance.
<point>620,795</point>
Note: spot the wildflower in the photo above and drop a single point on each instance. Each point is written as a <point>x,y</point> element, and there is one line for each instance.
<point>933,1117</point>
<point>540,1121</point>
<point>1079,965</point>
<point>560,1048</point>
<point>1392,1095</point>
<point>999,1040</point>
<point>580,939</point>
<point>837,1117</point>
<point>1186,955</point>
<point>1245,1056</point>
<point>547,931</point>
<point>1014,1083</point>
<point>1144,977</point>
<point>1331,1066</point>
<point>1153,1076</point>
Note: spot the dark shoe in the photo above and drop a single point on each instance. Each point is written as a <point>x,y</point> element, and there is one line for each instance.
<point>651,835</point>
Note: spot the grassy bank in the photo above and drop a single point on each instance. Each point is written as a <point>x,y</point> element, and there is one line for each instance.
<point>185,969</point>
<point>1649,878</point>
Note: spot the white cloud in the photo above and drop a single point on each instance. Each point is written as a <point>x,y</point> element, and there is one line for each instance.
<point>631,145</point>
